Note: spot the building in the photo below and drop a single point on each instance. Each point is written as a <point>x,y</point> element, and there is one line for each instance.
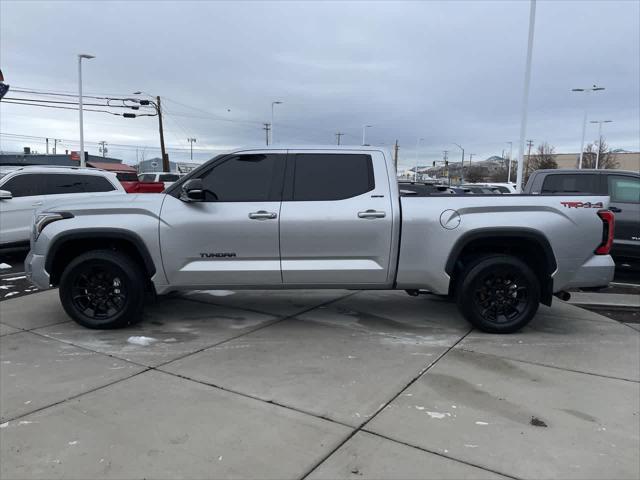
<point>63,160</point>
<point>155,165</point>
<point>626,160</point>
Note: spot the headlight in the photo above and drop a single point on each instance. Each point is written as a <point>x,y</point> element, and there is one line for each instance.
<point>44,219</point>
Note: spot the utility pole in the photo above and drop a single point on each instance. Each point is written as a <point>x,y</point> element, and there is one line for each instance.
<point>445,157</point>
<point>191,141</point>
<point>529,144</point>
<point>55,144</point>
<point>471,158</point>
<point>165,158</point>
<point>395,155</point>
<point>47,145</point>
<point>267,129</point>
<point>103,148</point>
<point>338,135</point>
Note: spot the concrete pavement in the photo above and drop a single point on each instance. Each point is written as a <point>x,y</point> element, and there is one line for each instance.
<point>317,384</point>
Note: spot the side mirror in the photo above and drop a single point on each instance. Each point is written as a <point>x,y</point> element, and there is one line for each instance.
<point>5,195</point>
<point>192,191</point>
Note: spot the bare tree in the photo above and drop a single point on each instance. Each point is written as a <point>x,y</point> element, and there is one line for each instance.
<point>607,158</point>
<point>475,174</point>
<point>500,176</point>
<point>544,158</point>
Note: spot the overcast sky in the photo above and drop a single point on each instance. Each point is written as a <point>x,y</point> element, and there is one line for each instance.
<point>442,71</point>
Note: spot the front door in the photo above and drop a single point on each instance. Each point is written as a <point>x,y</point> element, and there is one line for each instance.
<point>336,219</point>
<point>230,238</point>
<point>16,214</point>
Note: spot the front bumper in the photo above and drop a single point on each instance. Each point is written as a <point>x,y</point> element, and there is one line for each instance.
<point>597,271</point>
<point>35,271</point>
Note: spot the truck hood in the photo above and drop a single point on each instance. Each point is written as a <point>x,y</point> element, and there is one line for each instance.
<point>146,203</point>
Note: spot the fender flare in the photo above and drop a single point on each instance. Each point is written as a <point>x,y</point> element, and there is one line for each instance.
<point>100,233</point>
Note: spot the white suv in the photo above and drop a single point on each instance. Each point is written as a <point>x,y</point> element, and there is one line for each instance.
<point>23,190</point>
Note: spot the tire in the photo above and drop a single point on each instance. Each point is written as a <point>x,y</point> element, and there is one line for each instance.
<point>103,289</point>
<point>498,294</point>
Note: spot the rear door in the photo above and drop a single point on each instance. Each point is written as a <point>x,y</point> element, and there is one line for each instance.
<point>624,191</point>
<point>231,238</point>
<point>16,214</point>
<point>336,219</point>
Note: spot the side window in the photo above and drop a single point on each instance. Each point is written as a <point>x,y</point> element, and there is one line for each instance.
<point>624,189</point>
<point>245,178</point>
<point>571,183</point>
<point>95,183</point>
<point>25,185</point>
<point>169,177</point>
<point>320,176</point>
<point>62,183</point>
<point>148,177</point>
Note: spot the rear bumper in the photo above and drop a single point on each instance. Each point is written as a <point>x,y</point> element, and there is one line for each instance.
<point>597,271</point>
<point>35,271</point>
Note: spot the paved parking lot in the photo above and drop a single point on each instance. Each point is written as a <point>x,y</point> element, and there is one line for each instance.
<point>317,384</point>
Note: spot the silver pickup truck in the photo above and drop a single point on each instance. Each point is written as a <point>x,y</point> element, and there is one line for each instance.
<point>287,218</point>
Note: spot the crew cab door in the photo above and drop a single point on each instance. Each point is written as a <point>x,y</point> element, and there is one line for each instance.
<point>336,219</point>
<point>230,238</point>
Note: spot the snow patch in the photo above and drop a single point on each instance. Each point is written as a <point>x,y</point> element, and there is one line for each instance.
<point>4,425</point>
<point>140,340</point>
<point>4,265</point>
<point>419,407</point>
<point>75,442</point>
<point>469,445</point>
<point>11,294</point>
<point>25,422</point>
<point>438,415</point>
<point>482,423</point>
<point>14,278</point>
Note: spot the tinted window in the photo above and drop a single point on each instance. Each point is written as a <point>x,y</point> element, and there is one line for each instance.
<point>127,177</point>
<point>25,185</point>
<point>570,183</point>
<point>94,183</point>
<point>245,178</point>
<point>62,183</point>
<point>169,177</point>
<point>331,176</point>
<point>148,177</point>
<point>624,189</point>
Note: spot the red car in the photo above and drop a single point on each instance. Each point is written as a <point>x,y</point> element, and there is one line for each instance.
<point>131,184</point>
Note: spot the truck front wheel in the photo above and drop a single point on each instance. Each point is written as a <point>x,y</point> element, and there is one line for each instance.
<point>102,289</point>
<point>498,294</point>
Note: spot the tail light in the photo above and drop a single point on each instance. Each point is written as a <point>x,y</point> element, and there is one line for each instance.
<point>608,226</point>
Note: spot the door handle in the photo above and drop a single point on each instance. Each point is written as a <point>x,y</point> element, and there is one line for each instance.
<point>262,215</point>
<point>371,214</point>
<point>615,209</point>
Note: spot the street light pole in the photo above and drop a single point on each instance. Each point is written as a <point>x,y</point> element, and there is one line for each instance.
<point>599,122</point>
<point>80,57</point>
<point>272,124</point>
<point>594,88</point>
<point>525,94</point>
<point>462,165</point>
<point>510,157</point>
<point>364,133</point>
<point>415,173</point>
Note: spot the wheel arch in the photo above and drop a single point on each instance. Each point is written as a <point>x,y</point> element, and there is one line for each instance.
<point>68,245</point>
<point>530,245</point>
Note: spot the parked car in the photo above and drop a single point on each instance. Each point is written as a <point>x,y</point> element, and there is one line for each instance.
<point>319,218</point>
<point>131,184</point>
<point>481,190</point>
<point>622,186</point>
<point>422,189</point>
<point>166,177</point>
<point>23,190</point>
<point>500,187</point>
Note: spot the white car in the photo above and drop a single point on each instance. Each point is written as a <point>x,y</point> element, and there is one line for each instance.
<point>23,190</point>
<point>167,178</point>
<point>503,187</point>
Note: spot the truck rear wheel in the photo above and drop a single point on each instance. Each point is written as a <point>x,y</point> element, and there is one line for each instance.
<point>498,294</point>
<point>102,289</point>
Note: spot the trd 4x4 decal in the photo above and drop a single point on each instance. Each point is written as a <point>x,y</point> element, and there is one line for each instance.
<point>581,205</point>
